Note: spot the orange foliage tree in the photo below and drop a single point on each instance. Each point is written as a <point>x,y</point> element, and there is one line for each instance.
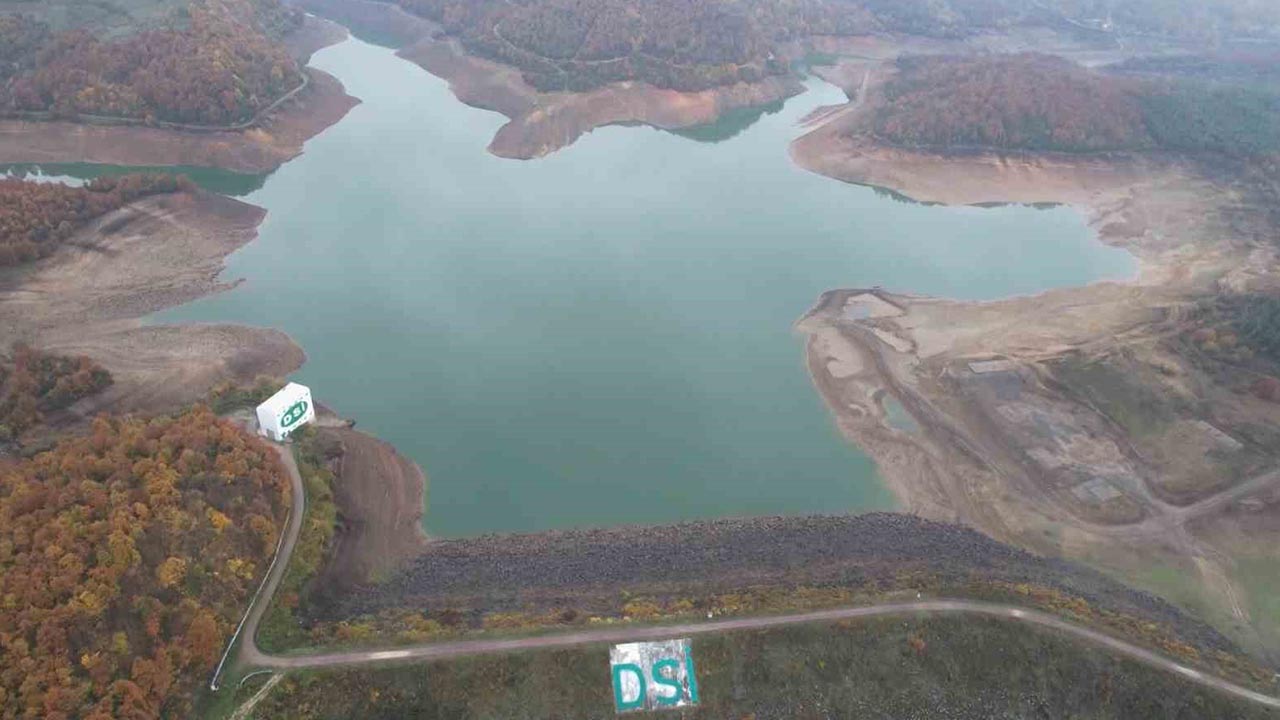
<point>221,68</point>
<point>33,383</point>
<point>35,217</point>
<point>1025,101</point>
<point>117,591</point>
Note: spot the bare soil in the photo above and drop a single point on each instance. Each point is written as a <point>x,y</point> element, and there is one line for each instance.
<point>257,150</point>
<point>91,295</point>
<point>1096,437</point>
<point>379,494</point>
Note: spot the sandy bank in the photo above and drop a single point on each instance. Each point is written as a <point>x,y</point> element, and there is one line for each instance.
<point>542,123</point>
<point>91,295</point>
<point>258,150</point>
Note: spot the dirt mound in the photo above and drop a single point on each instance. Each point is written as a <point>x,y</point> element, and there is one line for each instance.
<point>379,493</point>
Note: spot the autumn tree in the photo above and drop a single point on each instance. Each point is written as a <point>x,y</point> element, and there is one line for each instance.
<point>36,217</point>
<point>118,588</point>
<point>33,383</point>
<point>221,66</point>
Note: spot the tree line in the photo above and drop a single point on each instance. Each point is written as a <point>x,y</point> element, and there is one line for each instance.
<point>126,558</point>
<point>36,217</point>
<point>1030,101</point>
<point>683,44</point>
<point>697,44</point>
<point>33,383</point>
<point>218,64</point>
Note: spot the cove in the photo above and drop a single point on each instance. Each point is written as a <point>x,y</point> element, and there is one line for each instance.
<point>602,336</point>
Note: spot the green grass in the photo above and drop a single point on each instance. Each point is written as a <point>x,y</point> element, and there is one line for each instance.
<point>1260,580</point>
<point>280,630</point>
<point>1133,405</point>
<point>923,667</point>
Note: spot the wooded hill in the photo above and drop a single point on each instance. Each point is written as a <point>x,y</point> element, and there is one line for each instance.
<point>36,217</point>
<point>1038,102</point>
<point>682,44</point>
<point>215,62</point>
<point>696,44</point>
<point>126,559</point>
<point>34,383</point>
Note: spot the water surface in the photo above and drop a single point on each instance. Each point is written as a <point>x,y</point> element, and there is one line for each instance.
<point>602,336</point>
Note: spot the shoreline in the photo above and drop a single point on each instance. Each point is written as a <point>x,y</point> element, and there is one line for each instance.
<point>258,150</point>
<point>540,123</point>
<point>92,296</point>
<point>939,473</point>
<point>968,460</point>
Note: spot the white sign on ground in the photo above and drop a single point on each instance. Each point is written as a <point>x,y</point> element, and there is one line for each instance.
<point>653,675</point>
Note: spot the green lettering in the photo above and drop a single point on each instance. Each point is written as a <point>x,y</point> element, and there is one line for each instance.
<point>689,673</point>
<point>668,680</point>
<point>294,413</point>
<point>618,701</point>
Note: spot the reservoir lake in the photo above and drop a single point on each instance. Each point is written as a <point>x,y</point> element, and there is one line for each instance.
<point>602,336</point>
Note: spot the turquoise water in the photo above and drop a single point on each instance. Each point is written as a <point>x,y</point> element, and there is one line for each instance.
<point>602,336</point>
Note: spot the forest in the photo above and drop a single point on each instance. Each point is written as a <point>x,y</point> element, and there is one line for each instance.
<point>696,44</point>
<point>33,383</point>
<point>1202,20</point>
<point>683,44</point>
<point>1030,101</point>
<point>126,558</point>
<point>218,62</point>
<point>36,217</point>
<point>1024,101</point>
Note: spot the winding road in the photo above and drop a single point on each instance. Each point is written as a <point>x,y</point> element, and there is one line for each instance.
<point>248,655</point>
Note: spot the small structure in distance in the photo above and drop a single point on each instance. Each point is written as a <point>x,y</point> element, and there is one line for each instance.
<point>286,411</point>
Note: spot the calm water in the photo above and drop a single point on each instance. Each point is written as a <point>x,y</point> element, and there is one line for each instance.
<point>602,336</point>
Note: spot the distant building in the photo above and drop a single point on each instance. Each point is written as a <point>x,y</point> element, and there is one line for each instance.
<point>286,411</point>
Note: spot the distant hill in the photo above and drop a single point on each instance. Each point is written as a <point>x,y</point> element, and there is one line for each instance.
<point>214,62</point>
<point>1038,102</point>
<point>696,44</point>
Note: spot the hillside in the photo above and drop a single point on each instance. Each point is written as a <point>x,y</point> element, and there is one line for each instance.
<point>126,558</point>
<point>1037,102</point>
<point>684,45</point>
<point>36,217</point>
<point>1022,101</point>
<point>692,45</point>
<point>33,383</point>
<point>211,62</point>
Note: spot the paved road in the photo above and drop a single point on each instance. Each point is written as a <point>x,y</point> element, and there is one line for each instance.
<point>247,653</point>
<point>250,656</point>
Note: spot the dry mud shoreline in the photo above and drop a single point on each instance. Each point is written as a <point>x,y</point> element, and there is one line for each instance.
<point>1016,401</point>
<point>542,122</point>
<point>257,150</point>
<point>962,464</point>
<point>92,296</point>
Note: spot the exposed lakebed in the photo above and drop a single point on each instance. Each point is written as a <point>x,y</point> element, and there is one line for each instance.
<point>602,336</point>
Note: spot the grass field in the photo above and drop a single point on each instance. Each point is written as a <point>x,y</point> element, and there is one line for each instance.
<point>927,667</point>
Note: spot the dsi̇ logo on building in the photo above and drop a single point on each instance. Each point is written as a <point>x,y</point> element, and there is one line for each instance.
<point>296,412</point>
<point>653,676</point>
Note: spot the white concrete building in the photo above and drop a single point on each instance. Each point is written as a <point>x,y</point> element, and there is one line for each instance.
<point>286,411</point>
